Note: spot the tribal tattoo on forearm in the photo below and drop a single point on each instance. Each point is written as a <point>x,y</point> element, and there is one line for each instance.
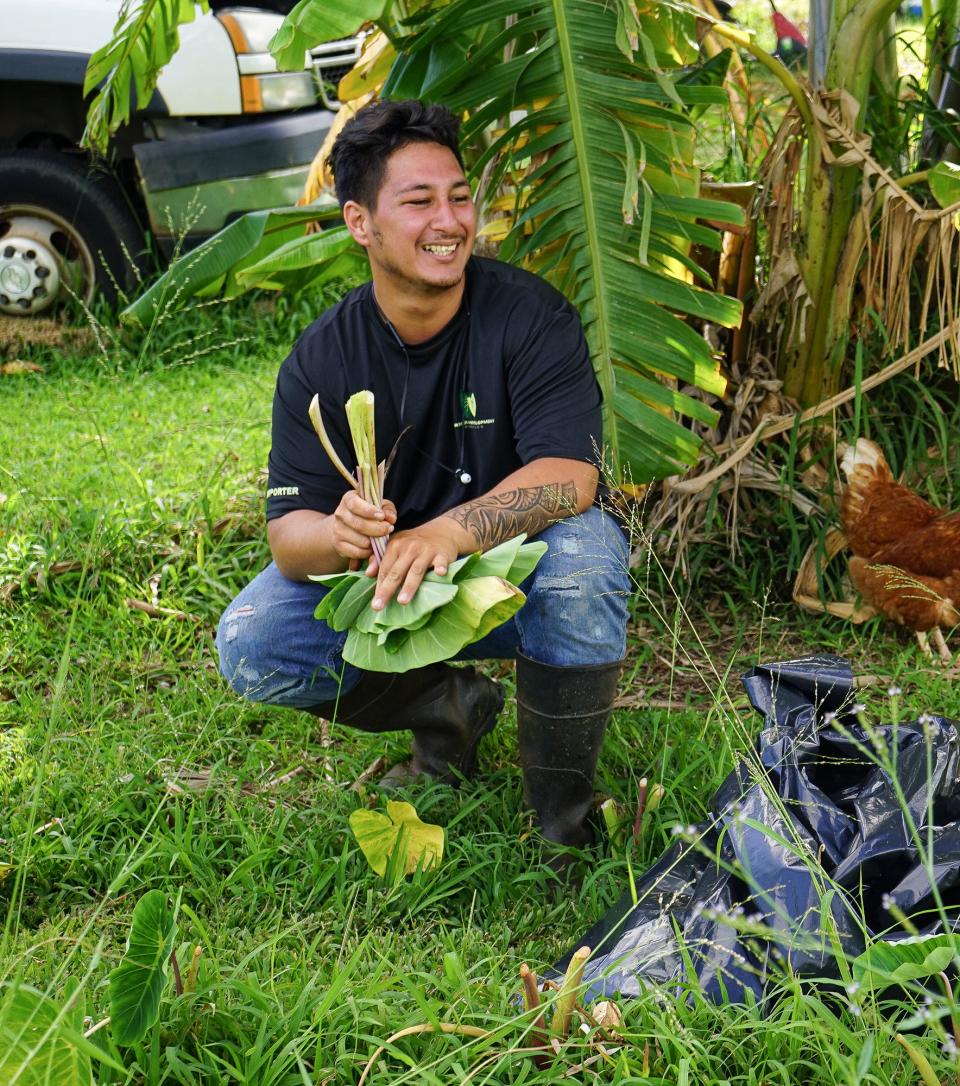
<point>498,517</point>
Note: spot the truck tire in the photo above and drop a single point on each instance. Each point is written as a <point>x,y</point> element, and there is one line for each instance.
<point>65,231</point>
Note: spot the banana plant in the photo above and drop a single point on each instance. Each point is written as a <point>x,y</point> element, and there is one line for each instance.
<point>597,150</point>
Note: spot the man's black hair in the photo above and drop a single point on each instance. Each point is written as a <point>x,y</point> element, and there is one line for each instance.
<point>359,156</point>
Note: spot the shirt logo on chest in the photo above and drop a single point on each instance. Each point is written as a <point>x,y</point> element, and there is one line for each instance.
<point>468,412</point>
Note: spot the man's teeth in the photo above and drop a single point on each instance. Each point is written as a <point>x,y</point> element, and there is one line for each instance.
<point>440,250</point>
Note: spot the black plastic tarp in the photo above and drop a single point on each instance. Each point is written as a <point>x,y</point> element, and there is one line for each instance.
<point>806,849</point>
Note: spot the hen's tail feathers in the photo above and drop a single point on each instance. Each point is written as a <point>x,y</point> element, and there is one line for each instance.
<point>868,454</point>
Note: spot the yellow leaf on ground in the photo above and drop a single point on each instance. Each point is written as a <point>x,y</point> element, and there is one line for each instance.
<point>417,844</point>
<point>19,365</point>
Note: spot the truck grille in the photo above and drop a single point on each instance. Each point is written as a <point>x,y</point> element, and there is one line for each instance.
<point>331,62</point>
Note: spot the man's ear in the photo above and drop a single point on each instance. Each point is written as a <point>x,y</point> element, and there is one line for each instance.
<point>358,222</point>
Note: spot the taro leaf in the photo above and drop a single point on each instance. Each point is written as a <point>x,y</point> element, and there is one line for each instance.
<point>480,605</point>
<point>486,602</point>
<point>392,640</point>
<point>137,982</point>
<point>334,597</point>
<point>457,570</point>
<point>418,844</point>
<point>39,1044</point>
<point>911,958</point>
<point>497,561</point>
<point>526,561</point>
<point>436,624</point>
<point>513,560</point>
<point>405,616</point>
<point>359,597</point>
<point>333,579</point>
<point>944,181</point>
<point>409,627</point>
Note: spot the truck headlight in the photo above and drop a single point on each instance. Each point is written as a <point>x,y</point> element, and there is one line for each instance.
<point>277,91</point>
<point>262,88</point>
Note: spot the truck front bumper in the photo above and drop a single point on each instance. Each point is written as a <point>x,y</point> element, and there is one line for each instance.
<point>195,183</point>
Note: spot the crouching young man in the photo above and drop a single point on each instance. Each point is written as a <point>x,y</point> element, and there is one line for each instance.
<point>485,368</point>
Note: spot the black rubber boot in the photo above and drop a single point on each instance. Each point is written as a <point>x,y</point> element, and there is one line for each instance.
<point>448,709</point>
<point>562,713</point>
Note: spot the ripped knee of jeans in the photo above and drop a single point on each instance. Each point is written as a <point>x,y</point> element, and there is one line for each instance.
<point>230,623</point>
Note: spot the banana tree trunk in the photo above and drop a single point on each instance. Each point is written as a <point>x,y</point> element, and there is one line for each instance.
<point>811,364</point>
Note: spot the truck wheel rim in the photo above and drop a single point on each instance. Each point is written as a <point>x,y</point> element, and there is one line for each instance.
<point>42,260</point>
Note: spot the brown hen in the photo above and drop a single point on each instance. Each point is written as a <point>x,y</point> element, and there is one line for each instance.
<point>906,551</point>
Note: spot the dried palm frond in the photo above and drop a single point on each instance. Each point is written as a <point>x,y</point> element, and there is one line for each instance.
<point>806,587</point>
<point>678,517</point>
<point>893,237</point>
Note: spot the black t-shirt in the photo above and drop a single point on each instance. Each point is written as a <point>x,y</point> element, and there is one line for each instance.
<point>507,381</point>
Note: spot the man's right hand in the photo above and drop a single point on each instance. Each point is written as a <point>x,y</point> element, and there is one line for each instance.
<point>355,523</point>
<point>305,542</point>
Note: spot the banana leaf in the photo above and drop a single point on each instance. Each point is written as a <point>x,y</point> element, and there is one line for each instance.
<point>592,105</point>
<point>306,261</point>
<point>126,69</point>
<point>215,264</point>
<point>310,23</point>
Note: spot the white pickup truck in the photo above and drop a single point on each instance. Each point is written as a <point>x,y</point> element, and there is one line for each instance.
<point>225,133</point>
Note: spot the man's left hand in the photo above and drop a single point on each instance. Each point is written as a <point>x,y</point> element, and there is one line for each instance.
<point>409,556</point>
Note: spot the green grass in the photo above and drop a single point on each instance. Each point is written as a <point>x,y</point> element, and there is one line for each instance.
<point>136,474</point>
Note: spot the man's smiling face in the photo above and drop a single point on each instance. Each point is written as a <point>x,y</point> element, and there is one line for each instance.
<point>422,230</point>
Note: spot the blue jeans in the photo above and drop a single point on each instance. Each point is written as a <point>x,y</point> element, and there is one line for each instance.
<point>273,650</point>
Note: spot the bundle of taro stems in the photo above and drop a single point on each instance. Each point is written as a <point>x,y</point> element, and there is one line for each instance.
<point>370,475</point>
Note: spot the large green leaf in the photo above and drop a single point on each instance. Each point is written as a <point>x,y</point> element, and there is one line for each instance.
<point>476,594</point>
<point>912,958</point>
<point>340,586</point>
<point>136,984</point>
<point>480,605</point>
<point>595,99</point>
<point>513,560</point>
<point>145,37</point>
<point>407,616</point>
<point>216,263</point>
<point>306,261</point>
<point>310,23</point>
<point>497,561</point>
<point>944,182</point>
<point>484,602</point>
<point>41,1043</point>
<point>397,838</point>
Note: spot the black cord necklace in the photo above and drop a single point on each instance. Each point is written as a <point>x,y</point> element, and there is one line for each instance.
<point>460,474</point>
